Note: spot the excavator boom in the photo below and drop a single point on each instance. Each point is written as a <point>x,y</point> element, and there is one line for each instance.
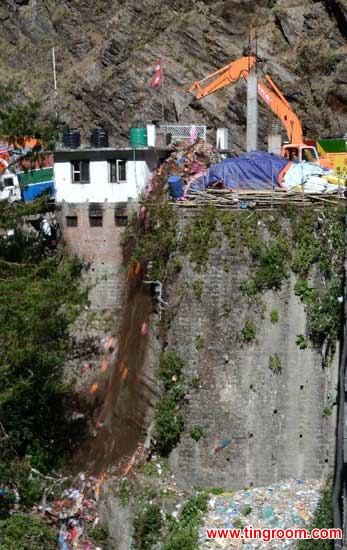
<point>223,77</point>
<point>272,96</point>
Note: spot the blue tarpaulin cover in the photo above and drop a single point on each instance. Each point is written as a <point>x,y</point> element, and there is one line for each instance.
<point>253,171</point>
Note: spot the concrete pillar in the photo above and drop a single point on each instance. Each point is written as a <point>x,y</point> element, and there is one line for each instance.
<point>222,138</point>
<point>252,112</point>
<point>274,143</point>
<point>151,135</point>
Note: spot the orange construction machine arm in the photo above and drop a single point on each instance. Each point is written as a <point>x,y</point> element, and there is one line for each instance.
<point>223,77</point>
<point>273,98</point>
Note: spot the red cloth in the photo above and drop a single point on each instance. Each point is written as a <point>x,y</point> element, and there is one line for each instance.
<point>157,79</point>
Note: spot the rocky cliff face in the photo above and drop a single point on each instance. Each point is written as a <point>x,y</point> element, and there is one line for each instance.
<point>105,51</point>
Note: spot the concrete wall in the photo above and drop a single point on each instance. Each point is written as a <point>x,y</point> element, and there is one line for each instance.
<point>275,421</point>
<point>100,189</point>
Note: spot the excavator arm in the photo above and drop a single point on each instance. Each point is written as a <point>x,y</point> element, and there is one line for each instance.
<point>272,96</point>
<point>223,77</point>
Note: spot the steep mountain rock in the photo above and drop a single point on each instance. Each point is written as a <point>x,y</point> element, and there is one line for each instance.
<point>105,51</point>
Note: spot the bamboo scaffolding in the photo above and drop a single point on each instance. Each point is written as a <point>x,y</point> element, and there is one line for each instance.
<point>242,199</point>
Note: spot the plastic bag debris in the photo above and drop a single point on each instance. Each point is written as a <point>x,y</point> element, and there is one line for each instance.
<point>286,504</point>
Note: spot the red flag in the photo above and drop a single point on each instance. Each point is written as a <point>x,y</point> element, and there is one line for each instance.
<point>157,80</point>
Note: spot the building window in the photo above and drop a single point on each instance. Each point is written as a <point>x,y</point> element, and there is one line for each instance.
<point>71,221</point>
<point>117,171</point>
<point>95,214</point>
<point>80,171</point>
<point>95,221</point>
<point>120,214</point>
<point>121,221</point>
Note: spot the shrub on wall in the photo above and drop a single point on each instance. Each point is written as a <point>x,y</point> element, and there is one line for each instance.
<point>168,416</point>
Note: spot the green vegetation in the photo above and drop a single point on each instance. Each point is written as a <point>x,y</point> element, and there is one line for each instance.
<point>196,432</point>
<point>149,470</point>
<point>275,364</point>
<point>39,299</point>
<point>301,341</point>
<point>271,270</point>
<point>248,287</point>
<point>323,518</point>
<point>18,120</point>
<point>319,242</point>
<point>147,526</point>
<point>228,221</point>
<point>99,535</point>
<point>198,238</point>
<point>184,531</point>
<point>274,316</point>
<point>124,492</point>
<point>246,510</point>
<point>327,411</point>
<point>154,247</point>
<point>316,250</point>
<point>199,342</point>
<point>168,418</point>
<point>238,523</point>
<point>249,331</point>
<point>215,491</point>
<point>198,285</point>
<point>270,258</point>
<point>21,532</point>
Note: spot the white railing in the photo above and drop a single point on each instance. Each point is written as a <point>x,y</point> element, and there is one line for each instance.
<point>181,132</point>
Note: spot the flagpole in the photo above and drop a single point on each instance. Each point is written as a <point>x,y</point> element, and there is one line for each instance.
<point>55,85</point>
<point>162,89</point>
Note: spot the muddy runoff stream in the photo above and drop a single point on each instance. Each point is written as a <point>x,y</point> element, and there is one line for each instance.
<point>117,417</point>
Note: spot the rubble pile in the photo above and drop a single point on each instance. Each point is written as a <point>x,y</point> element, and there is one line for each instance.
<point>188,161</point>
<point>283,505</point>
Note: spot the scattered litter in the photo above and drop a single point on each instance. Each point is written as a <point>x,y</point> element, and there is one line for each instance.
<point>93,388</point>
<point>286,504</point>
<point>125,373</point>
<point>137,455</point>
<point>224,443</point>
<point>158,288</point>
<point>103,365</point>
<point>144,329</point>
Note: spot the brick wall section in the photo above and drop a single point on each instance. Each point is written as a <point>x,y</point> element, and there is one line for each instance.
<point>275,422</point>
<point>100,248</point>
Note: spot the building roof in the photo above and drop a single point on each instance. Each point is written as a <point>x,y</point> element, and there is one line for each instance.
<point>102,153</point>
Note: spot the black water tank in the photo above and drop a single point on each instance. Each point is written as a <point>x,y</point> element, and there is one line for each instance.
<point>99,137</point>
<point>72,139</point>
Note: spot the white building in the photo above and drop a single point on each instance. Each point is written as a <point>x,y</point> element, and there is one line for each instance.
<point>99,175</point>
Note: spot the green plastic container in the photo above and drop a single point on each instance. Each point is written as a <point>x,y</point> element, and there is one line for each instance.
<point>338,145</point>
<point>138,137</point>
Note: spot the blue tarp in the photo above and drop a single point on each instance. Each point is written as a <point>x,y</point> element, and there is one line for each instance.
<point>253,171</point>
<point>34,190</point>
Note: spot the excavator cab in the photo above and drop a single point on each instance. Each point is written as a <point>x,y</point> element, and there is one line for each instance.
<point>300,153</point>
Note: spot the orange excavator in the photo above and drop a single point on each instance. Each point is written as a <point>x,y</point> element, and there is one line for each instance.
<point>296,149</point>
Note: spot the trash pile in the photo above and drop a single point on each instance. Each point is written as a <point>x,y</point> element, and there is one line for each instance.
<point>74,511</point>
<point>286,504</point>
<point>187,164</point>
<point>197,166</point>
